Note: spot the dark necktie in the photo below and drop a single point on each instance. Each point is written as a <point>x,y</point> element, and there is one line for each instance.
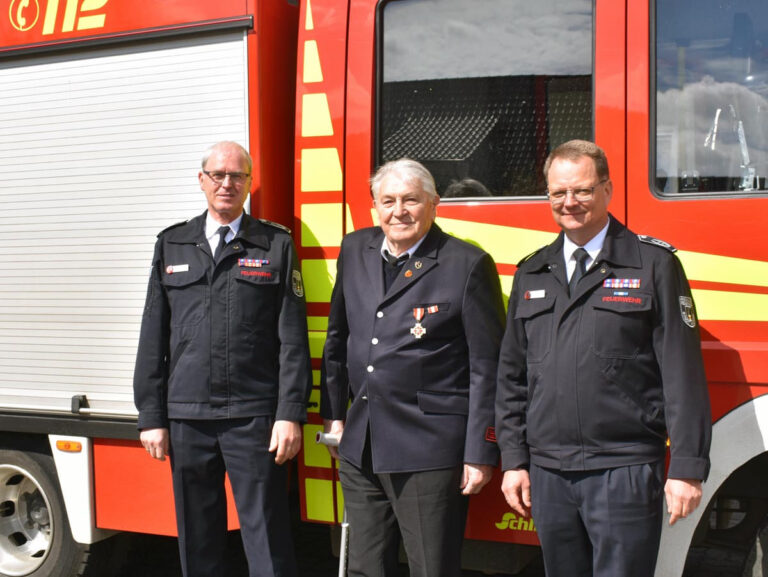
<point>392,266</point>
<point>581,257</point>
<point>222,232</point>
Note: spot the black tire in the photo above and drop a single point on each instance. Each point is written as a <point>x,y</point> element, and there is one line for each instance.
<point>35,538</point>
<point>756,561</point>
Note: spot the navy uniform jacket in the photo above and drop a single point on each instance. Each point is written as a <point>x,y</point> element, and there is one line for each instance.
<point>428,401</point>
<point>223,340</point>
<point>599,380</point>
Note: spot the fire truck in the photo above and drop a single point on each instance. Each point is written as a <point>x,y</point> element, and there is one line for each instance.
<point>106,105</point>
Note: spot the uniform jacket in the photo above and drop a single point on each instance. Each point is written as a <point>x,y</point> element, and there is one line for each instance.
<point>428,401</point>
<point>223,340</point>
<point>600,379</point>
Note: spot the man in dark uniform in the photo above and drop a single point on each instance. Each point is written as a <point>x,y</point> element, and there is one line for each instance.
<point>223,373</point>
<point>601,361</point>
<point>413,338</point>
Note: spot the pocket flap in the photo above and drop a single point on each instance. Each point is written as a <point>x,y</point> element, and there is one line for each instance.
<point>527,308</point>
<point>183,278</point>
<point>623,303</point>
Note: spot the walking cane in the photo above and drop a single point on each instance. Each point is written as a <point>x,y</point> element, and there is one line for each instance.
<point>331,440</point>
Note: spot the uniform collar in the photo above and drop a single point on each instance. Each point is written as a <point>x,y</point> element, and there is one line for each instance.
<point>250,229</point>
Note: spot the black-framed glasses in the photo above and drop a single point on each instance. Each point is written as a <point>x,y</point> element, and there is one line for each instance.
<point>580,194</point>
<point>219,176</point>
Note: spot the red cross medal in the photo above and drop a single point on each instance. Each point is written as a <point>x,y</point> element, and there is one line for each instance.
<point>417,330</point>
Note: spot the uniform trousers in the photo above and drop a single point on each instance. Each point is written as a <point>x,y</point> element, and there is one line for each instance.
<point>201,452</point>
<point>603,523</point>
<point>426,508</point>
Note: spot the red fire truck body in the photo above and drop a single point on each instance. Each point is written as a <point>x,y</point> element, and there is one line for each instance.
<point>106,106</point>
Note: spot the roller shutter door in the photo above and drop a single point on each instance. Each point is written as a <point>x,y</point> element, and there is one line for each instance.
<point>99,151</point>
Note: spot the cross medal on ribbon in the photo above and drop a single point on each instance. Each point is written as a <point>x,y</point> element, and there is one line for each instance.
<point>417,330</point>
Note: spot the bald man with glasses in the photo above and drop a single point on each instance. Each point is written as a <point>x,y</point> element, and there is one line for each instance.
<point>223,374</point>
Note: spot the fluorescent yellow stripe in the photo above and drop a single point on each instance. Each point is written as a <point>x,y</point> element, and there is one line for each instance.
<point>725,269</point>
<point>506,244</point>
<point>730,306</point>
<point>506,285</point>
<point>320,170</point>
<point>319,494</point>
<point>321,224</point>
<point>317,323</point>
<point>308,22</point>
<point>316,343</point>
<point>316,378</point>
<point>319,275</point>
<point>350,225</point>
<point>316,115</point>
<point>315,454</point>
<point>313,72</point>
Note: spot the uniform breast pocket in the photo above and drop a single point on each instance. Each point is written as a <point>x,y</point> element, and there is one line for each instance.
<point>622,323</point>
<point>187,294</point>
<point>257,295</point>
<point>536,315</point>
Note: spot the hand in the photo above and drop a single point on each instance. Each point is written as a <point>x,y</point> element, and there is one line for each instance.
<point>286,440</point>
<point>516,487</point>
<point>334,428</point>
<point>474,478</point>
<point>156,442</point>
<point>683,496</point>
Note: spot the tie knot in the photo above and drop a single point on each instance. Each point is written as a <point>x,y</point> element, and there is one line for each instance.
<point>223,230</point>
<point>580,255</point>
<point>393,260</point>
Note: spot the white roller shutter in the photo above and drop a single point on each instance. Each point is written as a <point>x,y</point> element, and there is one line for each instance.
<point>99,151</point>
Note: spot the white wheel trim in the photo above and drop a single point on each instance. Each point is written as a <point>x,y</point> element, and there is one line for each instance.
<point>21,559</point>
<point>737,437</point>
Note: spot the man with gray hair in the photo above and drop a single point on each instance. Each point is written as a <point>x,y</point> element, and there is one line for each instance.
<point>223,374</point>
<point>414,331</point>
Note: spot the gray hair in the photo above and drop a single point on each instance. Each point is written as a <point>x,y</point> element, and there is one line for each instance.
<point>573,150</point>
<point>226,143</point>
<point>406,170</point>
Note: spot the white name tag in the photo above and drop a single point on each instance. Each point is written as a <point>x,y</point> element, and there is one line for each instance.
<point>172,268</point>
<point>537,294</point>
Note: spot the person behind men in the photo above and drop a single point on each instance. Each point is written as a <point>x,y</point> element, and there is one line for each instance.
<point>414,331</point>
<point>223,373</point>
<point>601,360</point>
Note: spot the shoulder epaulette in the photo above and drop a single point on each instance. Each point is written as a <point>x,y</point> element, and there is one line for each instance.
<point>656,242</point>
<point>528,256</point>
<point>275,224</point>
<point>172,227</point>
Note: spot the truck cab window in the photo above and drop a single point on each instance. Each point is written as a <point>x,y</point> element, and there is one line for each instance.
<point>711,96</point>
<point>480,92</point>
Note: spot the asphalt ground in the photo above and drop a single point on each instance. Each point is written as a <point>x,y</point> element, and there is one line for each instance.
<point>135,555</point>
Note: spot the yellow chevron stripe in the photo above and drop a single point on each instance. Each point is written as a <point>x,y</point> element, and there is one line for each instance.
<point>319,276</point>
<point>309,23</point>
<point>316,116</point>
<point>321,224</point>
<point>320,170</point>
<point>730,306</point>
<point>313,72</point>
<point>319,494</point>
<point>725,269</point>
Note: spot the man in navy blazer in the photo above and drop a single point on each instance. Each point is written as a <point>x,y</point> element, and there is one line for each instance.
<point>413,340</point>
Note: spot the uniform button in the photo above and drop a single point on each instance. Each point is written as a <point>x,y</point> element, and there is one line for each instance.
<point>370,368</point>
<point>364,397</point>
<point>379,314</point>
<point>374,341</point>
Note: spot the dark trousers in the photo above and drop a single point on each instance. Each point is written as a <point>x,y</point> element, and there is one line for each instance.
<point>201,452</point>
<point>604,523</point>
<point>425,507</point>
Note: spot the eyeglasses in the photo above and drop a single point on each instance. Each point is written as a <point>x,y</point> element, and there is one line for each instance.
<point>219,176</point>
<point>580,194</point>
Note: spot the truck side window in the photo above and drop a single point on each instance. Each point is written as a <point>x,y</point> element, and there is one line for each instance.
<point>480,92</point>
<point>711,75</point>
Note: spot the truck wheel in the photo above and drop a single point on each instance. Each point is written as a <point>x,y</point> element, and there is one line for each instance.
<point>35,538</point>
<point>756,562</point>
